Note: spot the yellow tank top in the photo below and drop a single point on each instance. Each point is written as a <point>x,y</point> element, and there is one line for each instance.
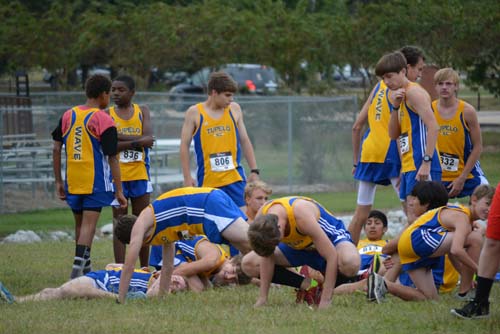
<point>294,239</point>
<point>81,157</point>
<point>453,142</point>
<point>133,162</point>
<point>377,142</point>
<point>217,150</point>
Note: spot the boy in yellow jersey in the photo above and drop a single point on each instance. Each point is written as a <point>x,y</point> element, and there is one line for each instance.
<point>414,125</point>
<point>440,229</point>
<point>202,263</point>
<point>220,138</point>
<point>376,158</point>
<point>256,194</point>
<point>100,284</point>
<point>90,140</point>
<point>135,138</point>
<point>459,139</point>
<point>180,214</point>
<point>295,231</point>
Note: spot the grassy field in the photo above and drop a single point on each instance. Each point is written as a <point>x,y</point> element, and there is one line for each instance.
<point>27,268</point>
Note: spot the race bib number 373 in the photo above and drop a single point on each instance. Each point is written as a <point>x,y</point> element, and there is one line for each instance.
<point>221,162</point>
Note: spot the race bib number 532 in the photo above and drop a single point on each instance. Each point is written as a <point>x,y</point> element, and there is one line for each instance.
<point>221,162</point>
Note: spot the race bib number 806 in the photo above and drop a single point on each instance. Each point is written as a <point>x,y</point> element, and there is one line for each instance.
<point>221,162</point>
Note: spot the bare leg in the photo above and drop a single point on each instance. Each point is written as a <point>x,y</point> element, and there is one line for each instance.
<point>87,230</point>
<point>424,283</point>
<point>489,259</point>
<point>358,220</point>
<point>351,287</point>
<point>348,259</point>
<point>392,274</point>
<point>237,235</point>
<point>80,287</point>
<point>473,245</point>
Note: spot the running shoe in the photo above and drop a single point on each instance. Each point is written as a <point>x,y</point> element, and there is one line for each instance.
<point>377,288</point>
<point>5,295</point>
<point>472,310</point>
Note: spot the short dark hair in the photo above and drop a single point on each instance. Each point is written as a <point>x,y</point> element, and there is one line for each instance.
<point>243,279</point>
<point>96,85</point>
<point>378,215</point>
<point>264,234</point>
<point>127,80</point>
<point>123,228</point>
<point>392,62</point>
<point>221,82</point>
<point>433,193</point>
<point>412,54</point>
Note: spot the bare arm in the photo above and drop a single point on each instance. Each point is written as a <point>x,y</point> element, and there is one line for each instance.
<point>114,164</point>
<point>357,128</point>
<point>167,268</point>
<point>246,144</point>
<point>56,162</point>
<point>208,255</point>
<point>477,147</point>
<point>188,128</point>
<point>141,227</point>
<point>460,223</point>
<point>266,275</point>
<point>306,215</point>
<point>126,142</point>
<point>420,101</point>
<point>396,97</point>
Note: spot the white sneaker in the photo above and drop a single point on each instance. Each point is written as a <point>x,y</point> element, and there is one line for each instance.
<point>379,287</point>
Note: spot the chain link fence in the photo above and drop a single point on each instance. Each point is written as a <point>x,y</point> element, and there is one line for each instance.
<point>302,144</point>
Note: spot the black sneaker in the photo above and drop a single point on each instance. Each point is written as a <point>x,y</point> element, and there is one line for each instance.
<point>473,310</point>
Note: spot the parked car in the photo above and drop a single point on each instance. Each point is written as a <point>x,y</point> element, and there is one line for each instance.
<point>251,79</point>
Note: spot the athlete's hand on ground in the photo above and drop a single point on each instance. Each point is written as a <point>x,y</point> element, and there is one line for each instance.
<point>260,302</point>
<point>324,304</point>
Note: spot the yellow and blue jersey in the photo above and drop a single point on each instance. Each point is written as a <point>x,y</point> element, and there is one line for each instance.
<point>333,227</point>
<point>185,212</point>
<point>134,163</point>
<point>412,140</point>
<point>422,238</point>
<point>217,150</point>
<point>87,168</point>
<point>186,251</point>
<point>455,144</point>
<point>109,280</point>
<point>379,159</point>
<point>367,249</point>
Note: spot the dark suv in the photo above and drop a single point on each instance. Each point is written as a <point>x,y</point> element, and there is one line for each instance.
<point>251,79</point>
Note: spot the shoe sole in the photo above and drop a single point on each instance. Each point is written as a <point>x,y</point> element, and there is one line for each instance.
<point>370,296</point>
<point>5,296</point>
<point>455,313</point>
<point>379,298</point>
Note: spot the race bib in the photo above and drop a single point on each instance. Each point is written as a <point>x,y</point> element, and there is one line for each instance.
<point>449,162</point>
<point>130,156</point>
<point>404,143</point>
<point>221,162</point>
